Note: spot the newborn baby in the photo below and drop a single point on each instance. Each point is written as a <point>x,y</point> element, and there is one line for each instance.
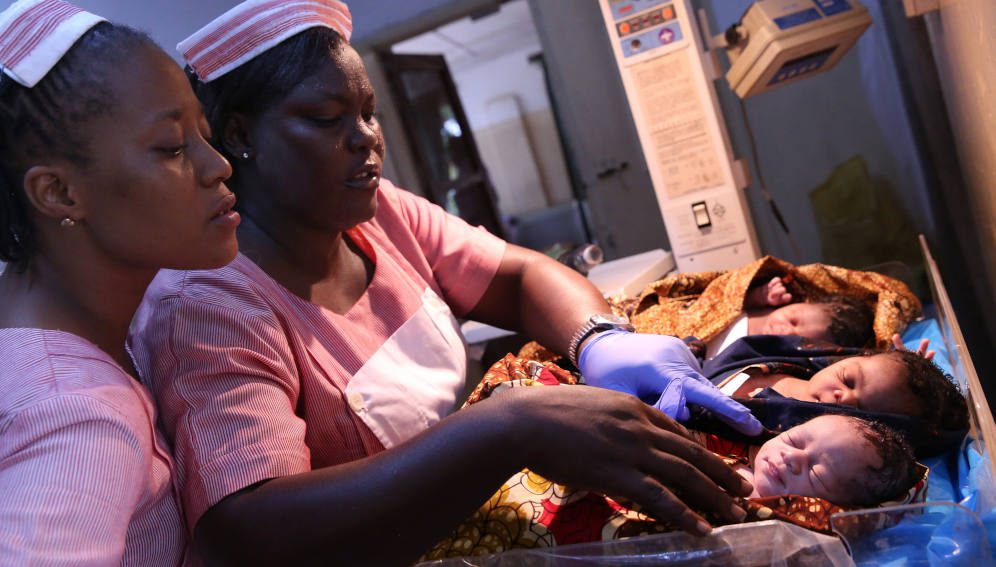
<point>844,460</point>
<point>769,310</point>
<point>899,382</point>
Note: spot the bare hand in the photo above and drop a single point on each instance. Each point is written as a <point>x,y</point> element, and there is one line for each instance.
<point>897,343</point>
<point>772,294</point>
<point>609,442</point>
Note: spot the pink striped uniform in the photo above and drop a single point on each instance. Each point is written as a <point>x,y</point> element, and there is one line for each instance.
<point>254,382</point>
<point>84,474</point>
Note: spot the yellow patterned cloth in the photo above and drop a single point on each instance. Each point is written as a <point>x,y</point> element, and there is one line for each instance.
<point>703,304</point>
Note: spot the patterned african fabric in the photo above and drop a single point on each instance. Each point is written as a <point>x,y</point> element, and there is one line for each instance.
<point>703,304</point>
<point>529,511</point>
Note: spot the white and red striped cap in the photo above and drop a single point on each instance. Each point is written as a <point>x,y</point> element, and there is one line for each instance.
<point>254,26</point>
<point>35,34</point>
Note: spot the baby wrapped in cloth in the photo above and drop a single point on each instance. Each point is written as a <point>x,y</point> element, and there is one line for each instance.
<point>708,305</point>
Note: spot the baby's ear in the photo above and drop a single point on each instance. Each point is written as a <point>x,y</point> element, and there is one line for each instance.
<point>50,191</point>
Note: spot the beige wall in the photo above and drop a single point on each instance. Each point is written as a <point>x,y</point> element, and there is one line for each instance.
<point>965,50</point>
<point>525,162</point>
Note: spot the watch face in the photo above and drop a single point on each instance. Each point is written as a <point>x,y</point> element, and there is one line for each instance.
<point>609,319</point>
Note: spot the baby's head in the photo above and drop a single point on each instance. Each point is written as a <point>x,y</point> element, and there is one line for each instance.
<point>899,382</point>
<point>844,321</point>
<point>842,459</point>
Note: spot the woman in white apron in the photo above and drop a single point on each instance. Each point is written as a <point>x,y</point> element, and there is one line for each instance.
<point>306,386</point>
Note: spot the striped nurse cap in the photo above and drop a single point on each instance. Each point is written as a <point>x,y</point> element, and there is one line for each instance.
<point>254,26</point>
<point>35,34</point>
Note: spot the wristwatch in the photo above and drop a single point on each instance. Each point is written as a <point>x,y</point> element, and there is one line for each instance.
<point>596,324</point>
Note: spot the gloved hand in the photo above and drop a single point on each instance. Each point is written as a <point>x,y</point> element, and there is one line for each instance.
<point>658,367</point>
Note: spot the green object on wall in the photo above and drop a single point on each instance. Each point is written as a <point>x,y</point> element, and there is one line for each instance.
<point>861,222</point>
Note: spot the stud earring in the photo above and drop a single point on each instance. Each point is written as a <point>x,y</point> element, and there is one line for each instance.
<point>68,222</point>
<point>245,155</point>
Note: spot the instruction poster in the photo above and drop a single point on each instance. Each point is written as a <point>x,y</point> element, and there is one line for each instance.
<point>676,122</point>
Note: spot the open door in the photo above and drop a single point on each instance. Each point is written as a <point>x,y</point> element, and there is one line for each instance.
<point>446,157</point>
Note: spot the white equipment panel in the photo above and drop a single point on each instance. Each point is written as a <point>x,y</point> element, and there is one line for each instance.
<point>664,70</point>
<point>788,40</point>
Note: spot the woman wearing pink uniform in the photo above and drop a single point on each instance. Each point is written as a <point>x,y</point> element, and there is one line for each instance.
<point>105,176</point>
<point>306,387</point>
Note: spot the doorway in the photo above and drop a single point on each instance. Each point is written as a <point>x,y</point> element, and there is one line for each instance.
<point>447,159</point>
<point>493,63</point>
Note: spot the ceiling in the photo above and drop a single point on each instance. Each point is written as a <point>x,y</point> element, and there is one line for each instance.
<point>469,40</point>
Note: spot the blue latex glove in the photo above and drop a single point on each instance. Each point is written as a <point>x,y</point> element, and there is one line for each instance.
<point>658,367</point>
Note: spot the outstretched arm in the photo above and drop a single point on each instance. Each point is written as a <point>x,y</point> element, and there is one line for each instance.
<point>540,297</point>
<point>389,508</point>
<point>550,302</point>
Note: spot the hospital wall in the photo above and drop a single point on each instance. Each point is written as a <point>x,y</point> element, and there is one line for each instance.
<point>964,48</point>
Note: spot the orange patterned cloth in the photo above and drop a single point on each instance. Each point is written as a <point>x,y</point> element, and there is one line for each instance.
<point>703,304</point>
<point>529,511</point>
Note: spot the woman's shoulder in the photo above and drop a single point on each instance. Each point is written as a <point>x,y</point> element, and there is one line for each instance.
<point>40,350</point>
<point>240,285</point>
<point>396,202</point>
<point>55,368</point>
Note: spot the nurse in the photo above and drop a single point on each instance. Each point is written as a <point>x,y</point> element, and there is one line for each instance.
<point>306,386</point>
<point>105,176</point>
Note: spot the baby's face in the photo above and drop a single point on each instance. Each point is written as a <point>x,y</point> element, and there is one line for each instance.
<point>808,320</point>
<point>873,383</point>
<point>822,457</point>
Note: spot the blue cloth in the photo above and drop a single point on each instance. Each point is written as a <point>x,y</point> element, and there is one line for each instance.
<point>928,329</point>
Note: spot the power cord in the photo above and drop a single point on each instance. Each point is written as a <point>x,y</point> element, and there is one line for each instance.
<point>763,187</point>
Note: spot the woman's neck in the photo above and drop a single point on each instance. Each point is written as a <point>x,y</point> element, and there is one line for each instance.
<point>292,251</point>
<point>321,267</point>
<point>89,299</point>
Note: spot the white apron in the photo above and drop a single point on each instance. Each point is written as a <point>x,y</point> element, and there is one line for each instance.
<point>413,379</point>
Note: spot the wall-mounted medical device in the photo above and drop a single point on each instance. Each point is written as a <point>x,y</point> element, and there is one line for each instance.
<point>668,76</point>
<point>778,42</point>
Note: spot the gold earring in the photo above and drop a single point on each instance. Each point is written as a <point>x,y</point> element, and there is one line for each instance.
<point>68,222</point>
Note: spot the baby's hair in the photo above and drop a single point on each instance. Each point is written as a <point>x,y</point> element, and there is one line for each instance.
<point>850,320</point>
<point>48,121</point>
<point>888,481</point>
<point>942,406</point>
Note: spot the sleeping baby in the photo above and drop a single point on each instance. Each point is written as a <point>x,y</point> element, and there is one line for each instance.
<point>844,460</point>
<point>769,310</point>
<point>897,382</point>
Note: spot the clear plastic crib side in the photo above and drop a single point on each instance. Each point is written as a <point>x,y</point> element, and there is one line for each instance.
<point>747,545</point>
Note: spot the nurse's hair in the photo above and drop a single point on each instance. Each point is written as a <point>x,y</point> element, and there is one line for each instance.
<point>256,85</point>
<point>49,120</point>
